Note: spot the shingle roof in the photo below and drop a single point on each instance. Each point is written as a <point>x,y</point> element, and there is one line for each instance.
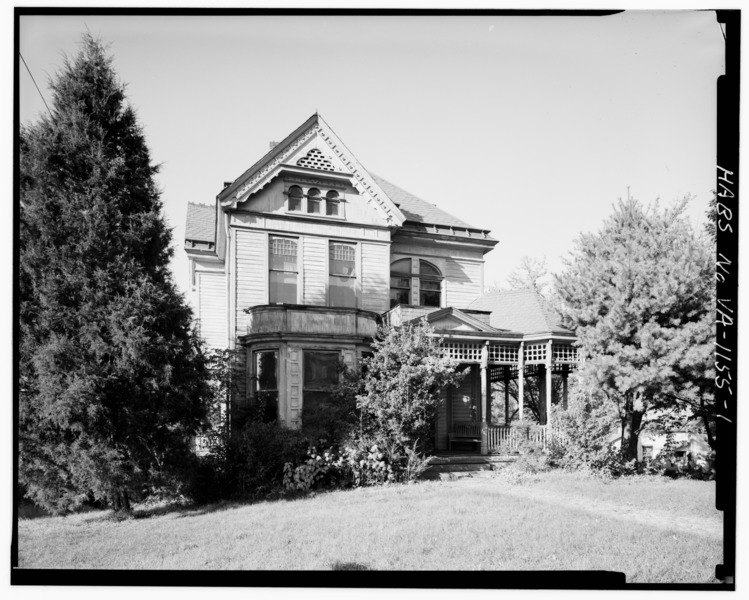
<point>201,222</point>
<point>520,310</point>
<point>416,209</point>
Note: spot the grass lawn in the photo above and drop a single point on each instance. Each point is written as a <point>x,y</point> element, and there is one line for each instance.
<point>652,529</point>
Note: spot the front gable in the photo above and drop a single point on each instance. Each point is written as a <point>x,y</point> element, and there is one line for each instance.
<point>315,156</point>
<point>453,319</point>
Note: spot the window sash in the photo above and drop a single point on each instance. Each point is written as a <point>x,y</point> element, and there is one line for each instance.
<point>282,287</point>
<point>266,370</point>
<point>320,370</point>
<point>342,291</point>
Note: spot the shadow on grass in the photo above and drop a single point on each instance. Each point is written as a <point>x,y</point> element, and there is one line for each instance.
<point>348,566</point>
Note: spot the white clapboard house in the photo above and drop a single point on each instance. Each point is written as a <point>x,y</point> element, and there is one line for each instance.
<point>299,259</point>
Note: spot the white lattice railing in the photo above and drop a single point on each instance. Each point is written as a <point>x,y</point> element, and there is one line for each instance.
<point>535,353</point>
<point>564,353</point>
<point>502,353</point>
<point>463,352</point>
<point>511,438</point>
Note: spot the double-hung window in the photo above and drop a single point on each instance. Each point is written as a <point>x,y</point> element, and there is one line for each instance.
<point>342,279</point>
<point>284,273</point>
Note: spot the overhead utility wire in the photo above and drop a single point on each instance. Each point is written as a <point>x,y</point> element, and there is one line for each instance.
<point>34,80</point>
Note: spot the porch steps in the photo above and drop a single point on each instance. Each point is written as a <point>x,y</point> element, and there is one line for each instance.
<point>457,466</point>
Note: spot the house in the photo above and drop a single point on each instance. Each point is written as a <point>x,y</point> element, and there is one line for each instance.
<point>299,259</point>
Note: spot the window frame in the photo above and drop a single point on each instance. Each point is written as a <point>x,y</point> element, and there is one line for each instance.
<point>429,277</point>
<point>255,377</point>
<point>271,269</point>
<point>352,278</point>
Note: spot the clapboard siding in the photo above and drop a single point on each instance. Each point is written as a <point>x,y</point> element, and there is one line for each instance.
<point>315,270</point>
<point>212,303</point>
<point>463,398</point>
<point>463,282</point>
<point>375,277</point>
<point>251,272</point>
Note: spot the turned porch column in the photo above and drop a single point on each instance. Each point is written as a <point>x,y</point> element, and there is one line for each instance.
<point>548,382</point>
<point>521,369</point>
<point>484,398</point>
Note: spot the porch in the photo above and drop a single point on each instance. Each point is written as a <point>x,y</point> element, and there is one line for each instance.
<point>504,369</point>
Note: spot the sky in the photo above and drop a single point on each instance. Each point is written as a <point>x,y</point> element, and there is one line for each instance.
<point>531,127</point>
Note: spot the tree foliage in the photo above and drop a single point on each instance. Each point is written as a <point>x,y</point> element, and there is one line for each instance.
<point>639,296</point>
<point>112,380</point>
<point>403,383</point>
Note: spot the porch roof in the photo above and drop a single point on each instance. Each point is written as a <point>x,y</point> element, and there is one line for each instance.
<point>525,311</point>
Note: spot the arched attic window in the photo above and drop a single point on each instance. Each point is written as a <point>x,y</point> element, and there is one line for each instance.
<point>313,201</point>
<point>295,198</point>
<point>332,204</point>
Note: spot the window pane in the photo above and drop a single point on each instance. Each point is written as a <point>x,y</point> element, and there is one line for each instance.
<point>400,282</point>
<point>401,266</point>
<point>426,268</point>
<point>265,370</point>
<point>313,206</point>
<point>295,198</point>
<point>426,284</point>
<point>283,287</point>
<point>331,207</point>
<point>342,259</point>
<point>429,298</point>
<point>320,370</point>
<point>342,291</point>
<point>398,297</point>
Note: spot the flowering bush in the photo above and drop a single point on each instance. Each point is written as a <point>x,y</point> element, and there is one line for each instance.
<point>353,466</point>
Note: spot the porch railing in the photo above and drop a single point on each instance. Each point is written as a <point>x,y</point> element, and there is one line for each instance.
<point>513,437</point>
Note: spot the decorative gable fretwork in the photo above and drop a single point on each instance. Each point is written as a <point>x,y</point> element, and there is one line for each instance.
<point>315,160</point>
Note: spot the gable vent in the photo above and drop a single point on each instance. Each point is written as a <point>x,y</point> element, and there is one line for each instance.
<point>315,160</point>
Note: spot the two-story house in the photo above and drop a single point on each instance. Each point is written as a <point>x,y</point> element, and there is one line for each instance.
<point>301,256</point>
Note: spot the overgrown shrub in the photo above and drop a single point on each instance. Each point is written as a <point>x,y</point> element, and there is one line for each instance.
<point>334,416</point>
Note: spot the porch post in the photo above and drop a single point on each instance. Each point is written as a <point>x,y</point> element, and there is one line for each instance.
<point>507,394</point>
<point>521,373</point>
<point>484,398</point>
<point>565,373</point>
<point>548,382</point>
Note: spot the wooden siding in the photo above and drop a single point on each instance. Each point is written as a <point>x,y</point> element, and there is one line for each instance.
<point>463,282</point>
<point>251,273</point>
<point>212,305</point>
<point>375,277</point>
<point>461,410</point>
<point>315,271</point>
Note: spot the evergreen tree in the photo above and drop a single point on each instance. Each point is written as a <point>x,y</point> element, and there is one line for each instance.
<point>112,379</point>
<point>639,295</point>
